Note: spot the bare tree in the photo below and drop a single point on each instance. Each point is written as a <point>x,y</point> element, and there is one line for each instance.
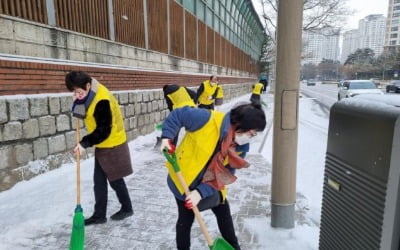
<point>319,16</point>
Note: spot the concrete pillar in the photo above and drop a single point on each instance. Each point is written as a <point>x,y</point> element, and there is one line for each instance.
<point>111,20</point>
<point>51,14</point>
<point>284,159</point>
<point>146,29</point>
<point>168,28</point>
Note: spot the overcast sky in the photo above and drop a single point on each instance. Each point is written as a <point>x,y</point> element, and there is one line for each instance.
<point>364,8</point>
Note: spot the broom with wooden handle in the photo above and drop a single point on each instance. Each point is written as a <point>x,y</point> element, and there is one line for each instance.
<point>78,225</point>
<point>219,243</point>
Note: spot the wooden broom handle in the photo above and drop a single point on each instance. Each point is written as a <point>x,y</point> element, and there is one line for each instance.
<point>78,165</point>
<point>195,210</point>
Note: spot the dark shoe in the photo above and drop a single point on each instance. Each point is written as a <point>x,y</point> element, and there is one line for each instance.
<point>158,142</point>
<point>95,220</point>
<point>120,215</point>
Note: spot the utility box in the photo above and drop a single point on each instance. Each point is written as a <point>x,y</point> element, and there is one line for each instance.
<point>360,203</point>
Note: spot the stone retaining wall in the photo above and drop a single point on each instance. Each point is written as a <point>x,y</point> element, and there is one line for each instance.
<point>37,132</point>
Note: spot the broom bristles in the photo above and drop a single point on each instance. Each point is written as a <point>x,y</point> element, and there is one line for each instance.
<point>78,230</point>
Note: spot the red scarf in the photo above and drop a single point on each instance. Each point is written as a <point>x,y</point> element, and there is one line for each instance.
<point>217,175</point>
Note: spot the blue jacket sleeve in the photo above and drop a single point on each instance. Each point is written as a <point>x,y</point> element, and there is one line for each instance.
<point>190,118</point>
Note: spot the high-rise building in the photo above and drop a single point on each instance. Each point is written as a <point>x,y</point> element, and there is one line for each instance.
<point>317,47</point>
<point>371,30</point>
<point>349,44</point>
<point>392,36</point>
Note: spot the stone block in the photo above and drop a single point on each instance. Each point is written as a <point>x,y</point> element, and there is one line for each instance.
<point>66,103</point>
<point>57,143</point>
<point>40,148</point>
<point>7,30</point>
<point>126,124</point>
<point>130,110</point>
<point>149,107</point>
<point>63,123</point>
<point>147,119</point>
<point>143,108</point>
<point>77,55</point>
<point>139,97</point>
<point>54,104</point>
<point>7,46</point>
<point>18,109</point>
<point>152,118</point>
<point>30,128</point>
<point>12,131</point>
<point>6,157</point>
<point>146,96</point>
<point>55,38</point>
<point>29,49</point>
<point>70,139</point>
<point>47,125</point>
<point>157,117</point>
<point>28,33</point>
<point>140,121</point>
<point>133,122</point>
<point>23,153</point>
<point>123,97</point>
<point>154,105</point>
<point>132,97</point>
<point>3,111</point>
<point>55,52</point>
<point>122,111</point>
<point>38,106</point>
<point>138,108</point>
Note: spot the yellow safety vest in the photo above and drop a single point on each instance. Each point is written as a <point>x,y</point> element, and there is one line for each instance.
<point>209,90</point>
<point>258,88</point>
<point>117,135</point>
<point>196,149</point>
<point>181,98</point>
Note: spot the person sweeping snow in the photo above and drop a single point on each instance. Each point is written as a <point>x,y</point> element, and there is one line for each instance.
<point>104,123</point>
<point>218,142</point>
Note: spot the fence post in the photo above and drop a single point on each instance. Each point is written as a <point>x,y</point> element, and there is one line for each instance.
<point>51,14</point>
<point>146,29</point>
<point>111,20</point>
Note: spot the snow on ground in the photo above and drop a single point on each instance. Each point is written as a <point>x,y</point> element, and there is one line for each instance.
<point>37,214</point>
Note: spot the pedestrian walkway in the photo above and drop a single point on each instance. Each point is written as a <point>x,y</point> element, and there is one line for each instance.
<point>152,227</point>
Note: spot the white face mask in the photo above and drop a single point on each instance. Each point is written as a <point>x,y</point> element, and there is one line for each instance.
<point>242,138</point>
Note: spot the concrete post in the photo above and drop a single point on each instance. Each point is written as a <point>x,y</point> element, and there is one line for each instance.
<point>168,28</point>
<point>111,20</point>
<point>283,190</point>
<point>146,29</point>
<point>51,14</point>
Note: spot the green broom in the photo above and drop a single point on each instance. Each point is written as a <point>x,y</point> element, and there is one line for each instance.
<point>78,225</point>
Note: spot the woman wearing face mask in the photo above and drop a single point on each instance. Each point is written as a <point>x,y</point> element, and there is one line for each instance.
<point>210,93</point>
<point>100,110</point>
<point>212,149</point>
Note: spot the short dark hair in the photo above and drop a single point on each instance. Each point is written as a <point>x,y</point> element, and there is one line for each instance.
<point>170,88</point>
<point>247,117</point>
<point>77,79</point>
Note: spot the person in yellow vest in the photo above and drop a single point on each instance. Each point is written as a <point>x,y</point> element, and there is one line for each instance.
<point>177,97</point>
<point>210,152</point>
<point>256,94</point>
<point>210,93</point>
<point>101,113</point>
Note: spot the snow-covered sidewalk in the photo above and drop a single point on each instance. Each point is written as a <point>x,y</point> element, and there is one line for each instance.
<point>37,214</point>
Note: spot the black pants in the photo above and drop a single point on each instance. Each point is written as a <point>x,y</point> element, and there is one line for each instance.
<point>186,217</point>
<point>101,191</point>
